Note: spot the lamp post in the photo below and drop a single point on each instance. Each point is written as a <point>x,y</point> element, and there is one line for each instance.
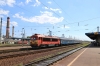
<point>22,36</point>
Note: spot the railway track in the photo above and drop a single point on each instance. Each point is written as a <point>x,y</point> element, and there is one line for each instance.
<point>20,49</point>
<point>27,52</point>
<point>32,55</point>
<point>51,60</point>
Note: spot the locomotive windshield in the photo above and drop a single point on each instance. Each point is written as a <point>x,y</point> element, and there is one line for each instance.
<point>34,38</point>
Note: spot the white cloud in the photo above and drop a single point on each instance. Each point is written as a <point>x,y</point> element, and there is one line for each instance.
<point>1,16</point>
<point>7,2</point>
<point>10,2</point>
<point>27,1</point>
<point>37,3</point>
<point>4,12</point>
<point>21,4</point>
<point>56,10</point>
<point>46,8</point>
<point>45,17</point>
<point>53,9</point>
<point>13,23</point>
<point>67,27</point>
<point>49,2</point>
<point>2,2</point>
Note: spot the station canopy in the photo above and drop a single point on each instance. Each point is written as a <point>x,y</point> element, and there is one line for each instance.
<point>93,35</point>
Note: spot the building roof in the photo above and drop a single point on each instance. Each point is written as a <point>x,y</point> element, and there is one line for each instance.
<point>93,35</point>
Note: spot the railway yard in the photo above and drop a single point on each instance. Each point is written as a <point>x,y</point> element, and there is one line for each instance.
<point>49,33</point>
<point>29,57</point>
<point>52,51</point>
<point>46,50</point>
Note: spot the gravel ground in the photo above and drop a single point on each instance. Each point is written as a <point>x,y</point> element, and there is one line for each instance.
<point>21,60</point>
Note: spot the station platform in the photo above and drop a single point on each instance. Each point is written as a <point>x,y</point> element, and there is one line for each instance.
<point>89,56</point>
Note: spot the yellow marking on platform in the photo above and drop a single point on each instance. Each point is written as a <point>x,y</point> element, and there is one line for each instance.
<point>76,58</point>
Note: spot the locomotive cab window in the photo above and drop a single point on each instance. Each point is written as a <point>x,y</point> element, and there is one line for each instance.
<point>34,38</point>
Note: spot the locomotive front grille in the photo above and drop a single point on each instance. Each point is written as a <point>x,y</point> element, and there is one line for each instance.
<point>33,42</point>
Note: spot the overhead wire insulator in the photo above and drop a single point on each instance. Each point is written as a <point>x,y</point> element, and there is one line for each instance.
<point>86,25</point>
<point>78,23</point>
<point>53,27</point>
<point>31,29</point>
<point>64,26</point>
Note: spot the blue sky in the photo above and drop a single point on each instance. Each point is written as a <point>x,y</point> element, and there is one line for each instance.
<point>72,18</point>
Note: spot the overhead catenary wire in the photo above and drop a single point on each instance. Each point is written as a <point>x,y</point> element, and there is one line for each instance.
<point>69,16</point>
<point>62,9</point>
<point>25,9</point>
<point>51,10</point>
<point>93,29</point>
<point>82,21</point>
<point>33,13</point>
<point>58,14</point>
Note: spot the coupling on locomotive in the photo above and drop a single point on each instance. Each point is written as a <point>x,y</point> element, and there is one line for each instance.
<point>38,40</point>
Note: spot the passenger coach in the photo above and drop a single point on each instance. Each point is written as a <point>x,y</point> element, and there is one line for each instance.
<point>67,41</point>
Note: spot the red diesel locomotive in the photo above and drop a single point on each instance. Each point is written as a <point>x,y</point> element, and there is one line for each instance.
<point>38,40</point>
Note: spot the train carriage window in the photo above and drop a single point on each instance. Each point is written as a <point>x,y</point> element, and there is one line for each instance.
<point>46,39</point>
<point>54,39</point>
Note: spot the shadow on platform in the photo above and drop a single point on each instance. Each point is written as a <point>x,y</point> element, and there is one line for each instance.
<point>93,46</point>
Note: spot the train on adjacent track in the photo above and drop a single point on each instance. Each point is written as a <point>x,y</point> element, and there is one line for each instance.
<point>38,40</point>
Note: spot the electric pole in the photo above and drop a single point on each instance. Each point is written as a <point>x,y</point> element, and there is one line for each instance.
<point>0,31</point>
